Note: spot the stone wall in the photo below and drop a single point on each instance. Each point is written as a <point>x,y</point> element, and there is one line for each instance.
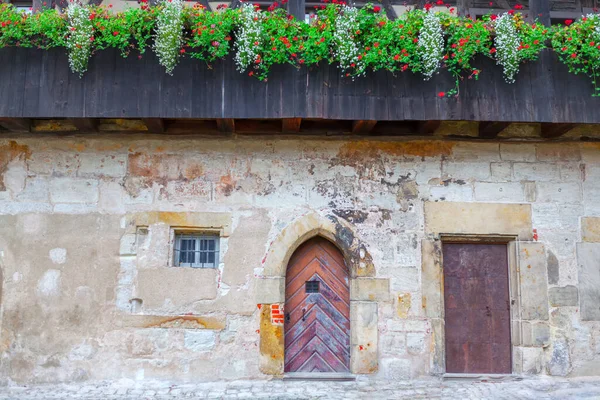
<point>86,228</point>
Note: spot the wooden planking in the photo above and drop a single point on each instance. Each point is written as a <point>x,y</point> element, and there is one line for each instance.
<point>291,125</point>
<point>41,85</point>
<point>86,124</point>
<point>16,124</point>
<point>317,324</point>
<point>490,130</point>
<point>154,125</point>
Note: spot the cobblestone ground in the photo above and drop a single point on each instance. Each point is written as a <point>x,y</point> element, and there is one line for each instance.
<point>534,388</point>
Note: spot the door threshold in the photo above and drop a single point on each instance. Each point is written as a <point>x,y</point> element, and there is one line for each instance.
<point>482,377</point>
<point>318,376</point>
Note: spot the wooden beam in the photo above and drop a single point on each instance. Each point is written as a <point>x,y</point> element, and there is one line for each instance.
<point>389,9</point>
<point>86,124</point>
<point>291,125</point>
<point>428,127</point>
<point>550,130</point>
<point>154,125</point>
<point>226,125</point>
<point>363,126</point>
<point>540,10</point>
<point>16,124</point>
<point>490,129</point>
<point>297,8</point>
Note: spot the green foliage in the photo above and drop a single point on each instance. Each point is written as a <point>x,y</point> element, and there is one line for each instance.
<point>211,33</point>
<point>578,47</point>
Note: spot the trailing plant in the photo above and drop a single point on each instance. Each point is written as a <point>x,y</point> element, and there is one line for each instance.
<point>465,40</point>
<point>578,47</point>
<point>126,31</point>
<point>168,40</point>
<point>516,42</point>
<point>249,36</point>
<point>212,33</point>
<point>80,37</point>
<point>431,44</point>
<point>346,48</point>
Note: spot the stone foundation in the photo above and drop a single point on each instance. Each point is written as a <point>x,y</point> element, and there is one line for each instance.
<point>87,225</point>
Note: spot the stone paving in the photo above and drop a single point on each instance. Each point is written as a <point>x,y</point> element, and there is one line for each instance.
<point>530,388</point>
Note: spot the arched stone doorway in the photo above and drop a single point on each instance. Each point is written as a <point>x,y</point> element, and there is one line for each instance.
<point>366,291</point>
<point>317,309</point>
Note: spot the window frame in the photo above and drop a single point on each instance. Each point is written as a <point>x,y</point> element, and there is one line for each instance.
<point>178,234</point>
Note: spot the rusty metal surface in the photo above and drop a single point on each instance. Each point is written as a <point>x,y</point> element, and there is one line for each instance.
<point>476,301</point>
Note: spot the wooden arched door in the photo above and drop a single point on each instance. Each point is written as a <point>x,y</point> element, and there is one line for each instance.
<point>317,309</point>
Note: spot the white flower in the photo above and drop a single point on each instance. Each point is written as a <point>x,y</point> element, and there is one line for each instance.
<point>79,40</point>
<point>507,46</point>
<point>431,44</point>
<point>168,39</point>
<point>248,37</point>
<point>345,49</point>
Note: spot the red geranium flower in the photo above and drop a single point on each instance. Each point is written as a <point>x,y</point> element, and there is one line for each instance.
<point>376,9</point>
<point>441,94</point>
<point>568,22</point>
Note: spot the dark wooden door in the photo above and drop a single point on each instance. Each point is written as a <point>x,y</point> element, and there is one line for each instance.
<point>476,300</point>
<point>317,309</point>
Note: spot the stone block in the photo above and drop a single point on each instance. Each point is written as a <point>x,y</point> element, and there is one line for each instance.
<point>501,171</point>
<point>199,340</point>
<point>403,304</point>
<point>560,360</point>
<point>533,277</point>
<point>431,278</point>
<point>517,152</point>
<point>564,192</point>
<point>363,341</point>
<point>563,296</point>
<point>478,218</point>
<point>393,343</point>
<point>588,256</point>
<point>395,369</point>
<point>536,172</point>
<point>270,290</point>
<point>175,287</point>
<point>533,358</point>
<point>467,171</point>
<point>509,191</point>
<point>109,165</point>
<point>558,152</point>
<point>415,342</point>
<point>553,268</point>
<point>535,334</point>
<point>69,190</point>
<point>451,192</point>
<point>37,189</point>
<point>128,244</point>
<point>370,289</point>
<point>590,229</point>
<point>469,151</point>
<point>271,348</point>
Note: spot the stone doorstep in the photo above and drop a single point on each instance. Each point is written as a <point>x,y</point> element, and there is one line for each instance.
<point>481,377</point>
<point>318,376</point>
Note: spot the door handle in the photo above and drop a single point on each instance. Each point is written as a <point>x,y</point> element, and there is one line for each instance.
<point>304,314</point>
<point>287,317</point>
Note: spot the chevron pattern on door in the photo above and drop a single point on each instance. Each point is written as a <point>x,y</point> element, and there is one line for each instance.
<point>317,324</point>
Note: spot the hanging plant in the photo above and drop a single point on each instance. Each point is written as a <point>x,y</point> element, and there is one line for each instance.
<point>507,46</point>
<point>247,45</point>
<point>345,45</point>
<point>80,37</point>
<point>578,47</point>
<point>168,41</point>
<point>431,44</point>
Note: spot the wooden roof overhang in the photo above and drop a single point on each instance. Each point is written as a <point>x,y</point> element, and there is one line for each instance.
<point>37,86</point>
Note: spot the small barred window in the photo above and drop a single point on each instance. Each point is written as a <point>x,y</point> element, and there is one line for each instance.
<point>196,251</point>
